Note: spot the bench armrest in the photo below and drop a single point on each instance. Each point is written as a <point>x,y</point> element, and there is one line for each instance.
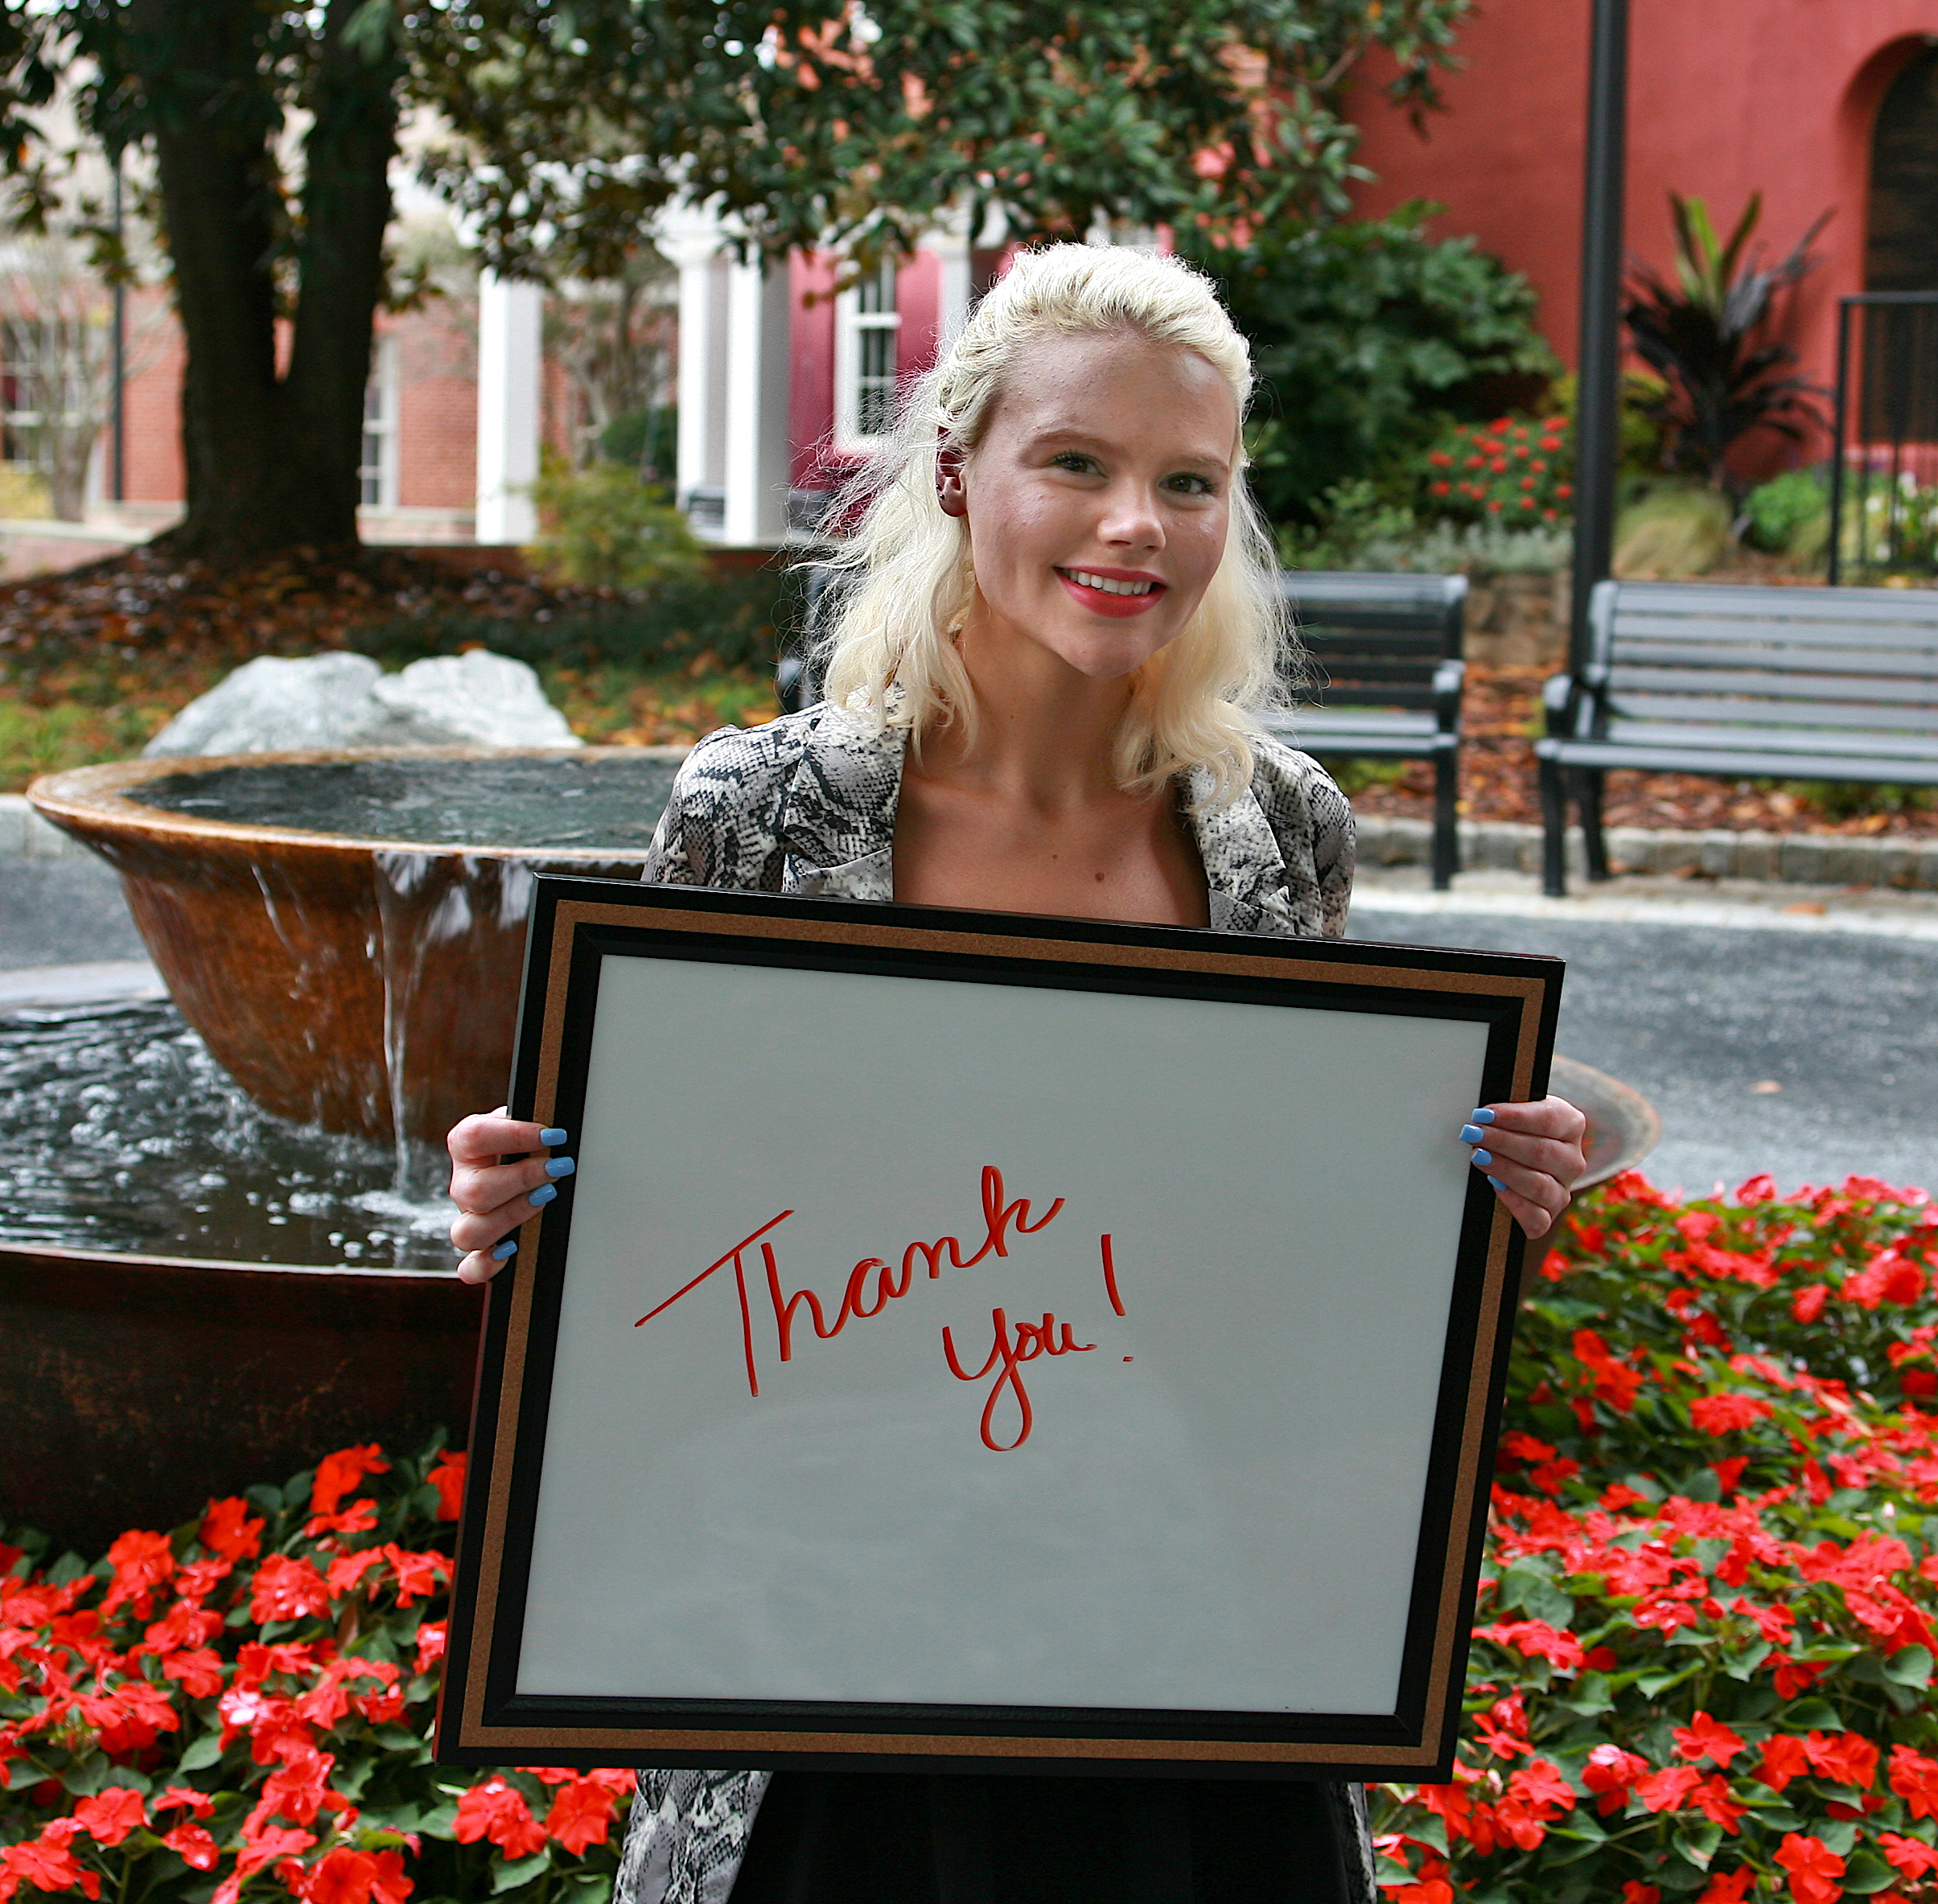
<point>1561,696</point>
<point>1448,678</point>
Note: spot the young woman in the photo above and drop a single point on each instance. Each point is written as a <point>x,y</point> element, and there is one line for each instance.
<point>1060,605</point>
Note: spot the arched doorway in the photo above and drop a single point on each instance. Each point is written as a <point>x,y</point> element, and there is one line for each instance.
<point>1902,253</point>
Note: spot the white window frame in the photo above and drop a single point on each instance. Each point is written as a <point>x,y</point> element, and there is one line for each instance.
<point>851,322</point>
<point>382,474</point>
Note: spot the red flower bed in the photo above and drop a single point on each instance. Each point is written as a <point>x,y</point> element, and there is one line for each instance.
<point>244,1705</point>
<point>1706,1629</point>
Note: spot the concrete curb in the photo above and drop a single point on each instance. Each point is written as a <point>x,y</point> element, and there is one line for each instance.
<point>1803,859</point>
<point>25,835</point>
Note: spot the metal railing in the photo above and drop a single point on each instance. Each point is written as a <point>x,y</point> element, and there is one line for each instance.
<point>1884,464</point>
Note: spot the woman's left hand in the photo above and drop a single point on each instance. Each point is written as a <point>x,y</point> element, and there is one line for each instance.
<point>1533,1156</point>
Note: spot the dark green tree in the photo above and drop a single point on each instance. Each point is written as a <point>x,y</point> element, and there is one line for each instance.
<point>273,126</point>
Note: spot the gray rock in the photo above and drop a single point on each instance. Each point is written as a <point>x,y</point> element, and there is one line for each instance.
<point>268,706</point>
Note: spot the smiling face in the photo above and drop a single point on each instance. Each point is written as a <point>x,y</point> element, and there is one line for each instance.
<point>1098,499</point>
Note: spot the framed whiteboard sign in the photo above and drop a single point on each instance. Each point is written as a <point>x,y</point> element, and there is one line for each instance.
<point>988,1341</point>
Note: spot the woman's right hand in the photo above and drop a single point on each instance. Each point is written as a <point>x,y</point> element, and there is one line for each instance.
<point>494,1198</point>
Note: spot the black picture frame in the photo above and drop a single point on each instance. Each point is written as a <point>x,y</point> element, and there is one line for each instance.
<point>577,925</point>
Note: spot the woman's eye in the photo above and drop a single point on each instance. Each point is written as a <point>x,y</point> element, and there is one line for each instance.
<point>1187,483</point>
<point>1076,460</point>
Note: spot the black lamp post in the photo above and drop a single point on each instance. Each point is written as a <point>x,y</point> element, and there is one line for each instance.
<point>1598,414</point>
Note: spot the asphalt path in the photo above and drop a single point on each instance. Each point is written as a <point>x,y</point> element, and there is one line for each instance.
<point>1694,1013</point>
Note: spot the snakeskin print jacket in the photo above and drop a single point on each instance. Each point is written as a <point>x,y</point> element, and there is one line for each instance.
<point>807,805</point>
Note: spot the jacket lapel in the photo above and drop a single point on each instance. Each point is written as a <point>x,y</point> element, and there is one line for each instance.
<point>1244,868</point>
<point>837,816</point>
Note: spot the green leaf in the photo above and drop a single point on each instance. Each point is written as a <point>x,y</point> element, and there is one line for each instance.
<point>1867,1872</point>
<point>1698,1843</point>
<point>1910,1667</point>
<point>202,1753</point>
<point>509,1876</point>
<point>1592,1695</point>
<point>1838,1834</point>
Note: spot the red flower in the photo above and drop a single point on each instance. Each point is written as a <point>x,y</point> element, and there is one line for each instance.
<point>1719,1414</point>
<point>1784,1758</point>
<point>199,1803</point>
<point>1914,1777</point>
<point>1668,1790</point>
<point>495,1811</point>
<point>1539,1787</point>
<point>431,1643</point>
<point>1814,1869</point>
<point>1911,1856</point>
<point>1712,1798</point>
<point>1535,1639</point>
<point>1793,1677</point>
<point>256,1853</point>
<point>1703,1737</point>
<point>1844,1759</point>
<point>287,1588</point>
<point>418,1575</point>
<point>130,1717</point>
<point>110,1816</point>
<point>1612,1773</point>
<point>343,1875</point>
<point>1728,1471</point>
<point>227,1530</point>
<point>447,1477</point>
<point>582,1810</point>
<point>200,1673</point>
<point>1636,1892</point>
<point>1728,1888</point>
<point>141,1563</point>
<point>337,1473</point>
<point>47,1863</point>
<point>1807,1304</point>
<point>193,1845</point>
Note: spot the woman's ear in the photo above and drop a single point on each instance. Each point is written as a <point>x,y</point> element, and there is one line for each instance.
<point>950,490</point>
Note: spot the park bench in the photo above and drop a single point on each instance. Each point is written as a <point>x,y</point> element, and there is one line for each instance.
<point>1790,684</point>
<point>1385,678</point>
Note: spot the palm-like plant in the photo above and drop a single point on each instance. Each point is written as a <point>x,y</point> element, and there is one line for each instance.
<point>1704,334</point>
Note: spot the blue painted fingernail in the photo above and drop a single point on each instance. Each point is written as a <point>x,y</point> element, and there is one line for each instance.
<point>561,1166</point>
<point>1497,1183</point>
<point>542,1196</point>
<point>553,1136</point>
<point>1483,1159</point>
<point>506,1248</point>
<point>1471,1133</point>
<point>1481,1117</point>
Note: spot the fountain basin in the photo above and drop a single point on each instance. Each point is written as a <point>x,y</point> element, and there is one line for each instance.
<point>346,930</point>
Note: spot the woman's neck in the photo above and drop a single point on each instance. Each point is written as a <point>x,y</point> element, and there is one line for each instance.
<point>1044,732</point>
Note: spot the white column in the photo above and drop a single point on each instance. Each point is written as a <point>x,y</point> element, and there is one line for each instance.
<point>695,372</point>
<point>951,249</point>
<point>757,376</point>
<point>510,320</point>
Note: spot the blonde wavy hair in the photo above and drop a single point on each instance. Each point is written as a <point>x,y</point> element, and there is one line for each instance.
<point>904,578</point>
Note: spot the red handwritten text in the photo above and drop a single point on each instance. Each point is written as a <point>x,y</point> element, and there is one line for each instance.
<point>1031,1339</point>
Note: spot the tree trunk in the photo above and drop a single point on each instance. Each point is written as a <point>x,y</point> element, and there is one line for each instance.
<point>271,460</point>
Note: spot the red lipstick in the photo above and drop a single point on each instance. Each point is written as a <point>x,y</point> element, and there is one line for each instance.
<point>1101,600</point>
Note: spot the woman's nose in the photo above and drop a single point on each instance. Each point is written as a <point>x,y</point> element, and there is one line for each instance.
<point>1133,520</point>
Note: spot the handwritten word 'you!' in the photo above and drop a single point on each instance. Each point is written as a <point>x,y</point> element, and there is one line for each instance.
<point>872,1285</point>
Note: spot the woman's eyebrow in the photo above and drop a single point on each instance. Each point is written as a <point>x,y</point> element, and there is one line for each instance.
<point>1079,438</point>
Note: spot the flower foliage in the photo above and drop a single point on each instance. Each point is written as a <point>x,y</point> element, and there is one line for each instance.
<point>243,1706</point>
<point>1705,1638</point>
<point>1515,469</point>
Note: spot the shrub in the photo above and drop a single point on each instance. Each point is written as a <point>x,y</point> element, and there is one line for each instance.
<point>1516,469</point>
<point>244,1705</point>
<point>1706,1632</point>
<point>1364,335</point>
<point>1674,530</point>
<point>604,527</point>
<point>1790,514</point>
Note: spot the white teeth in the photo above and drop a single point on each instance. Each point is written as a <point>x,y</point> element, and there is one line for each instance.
<point>1104,583</point>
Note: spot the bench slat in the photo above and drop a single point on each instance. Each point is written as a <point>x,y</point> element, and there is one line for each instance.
<point>1666,708</point>
<point>1643,736</point>
<point>1728,600</point>
<point>1913,665</point>
<point>1766,685</point>
<point>1743,765</point>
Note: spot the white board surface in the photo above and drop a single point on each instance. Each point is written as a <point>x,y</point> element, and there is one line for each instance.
<point>1216,1504</point>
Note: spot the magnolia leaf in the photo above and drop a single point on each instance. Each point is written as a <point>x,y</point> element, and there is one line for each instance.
<point>1910,1667</point>
<point>1867,1872</point>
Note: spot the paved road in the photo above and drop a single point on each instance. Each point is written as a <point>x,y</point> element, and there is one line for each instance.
<point>1693,1015</point>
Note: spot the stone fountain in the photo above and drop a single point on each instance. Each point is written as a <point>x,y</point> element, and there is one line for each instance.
<point>218,1239</point>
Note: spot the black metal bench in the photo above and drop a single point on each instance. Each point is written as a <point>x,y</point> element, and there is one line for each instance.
<point>1385,681</point>
<point>1791,683</point>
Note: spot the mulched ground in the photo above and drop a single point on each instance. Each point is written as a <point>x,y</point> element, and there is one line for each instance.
<point>1502,715</point>
<point>128,641</point>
